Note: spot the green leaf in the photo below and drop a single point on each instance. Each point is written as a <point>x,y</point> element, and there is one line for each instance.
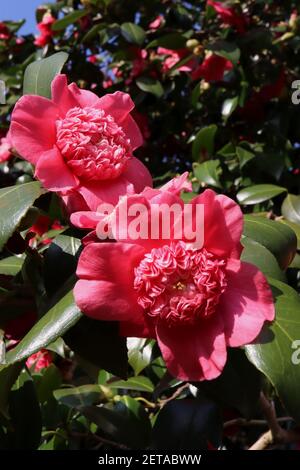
<point>76,397</point>
<point>67,20</point>
<point>60,262</point>
<point>140,383</point>
<point>295,227</point>
<point>139,353</point>
<point>276,350</point>
<point>276,237</point>
<point>207,172</point>
<point>150,85</point>
<point>133,33</point>
<point>126,422</point>
<point>51,326</point>
<point>226,49</point>
<point>259,193</point>
<point>229,106</point>
<point>15,201</point>
<point>171,41</point>
<point>204,143</point>
<point>259,255</point>
<point>39,74</point>
<point>50,381</point>
<point>291,208</point>
<point>244,156</point>
<point>11,266</point>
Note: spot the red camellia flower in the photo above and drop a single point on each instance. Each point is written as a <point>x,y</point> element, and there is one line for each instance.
<point>39,360</point>
<point>80,144</point>
<point>195,301</point>
<point>212,68</point>
<point>45,29</point>
<point>175,56</point>
<point>229,16</point>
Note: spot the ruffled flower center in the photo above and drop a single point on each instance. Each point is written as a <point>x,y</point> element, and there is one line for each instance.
<point>179,285</point>
<point>92,144</point>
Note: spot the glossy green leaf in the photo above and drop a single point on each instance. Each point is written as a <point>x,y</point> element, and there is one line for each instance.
<point>51,326</point>
<point>11,266</point>
<point>204,143</point>
<point>125,422</point>
<point>229,106</point>
<point>244,156</point>
<point>140,383</point>
<point>226,49</point>
<point>15,201</point>
<point>150,85</point>
<point>139,354</point>
<point>291,208</point>
<point>276,237</point>
<point>276,352</point>
<point>208,172</point>
<point>49,381</point>
<point>76,397</point>
<point>260,256</point>
<point>39,74</point>
<point>171,41</point>
<point>258,193</point>
<point>133,33</point>
<point>67,20</point>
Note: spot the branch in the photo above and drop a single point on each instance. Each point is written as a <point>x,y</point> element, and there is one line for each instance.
<point>276,434</point>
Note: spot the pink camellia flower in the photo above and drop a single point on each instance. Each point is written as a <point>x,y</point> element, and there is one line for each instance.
<point>45,29</point>
<point>90,219</point>
<point>229,16</point>
<point>5,148</point>
<point>156,23</point>
<point>39,360</point>
<point>195,301</point>
<point>80,144</point>
<point>212,68</point>
<point>175,56</point>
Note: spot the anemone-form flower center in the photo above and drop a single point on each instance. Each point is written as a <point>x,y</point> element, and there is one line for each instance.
<point>93,144</point>
<point>179,285</point>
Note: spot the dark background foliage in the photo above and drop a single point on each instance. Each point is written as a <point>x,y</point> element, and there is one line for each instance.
<point>237,132</point>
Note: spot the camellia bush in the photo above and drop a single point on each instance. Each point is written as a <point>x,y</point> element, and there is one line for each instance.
<point>150,342</point>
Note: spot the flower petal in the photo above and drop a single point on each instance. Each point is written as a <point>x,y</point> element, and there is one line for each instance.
<point>54,174</point>
<point>69,96</point>
<point>223,224</point>
<point>138,175</point>
<point>246,304</point>
<point>194,353</point>
<point>95,193</point>
<point>117,104</point>
<point>106,275</point>
<point>32,127</point>
<point>132,131</point>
